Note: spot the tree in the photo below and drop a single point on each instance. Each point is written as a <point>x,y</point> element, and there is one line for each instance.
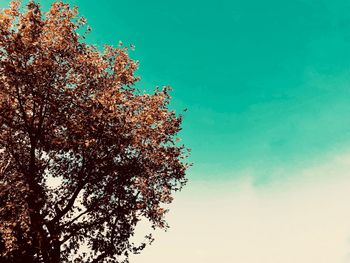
<point>71,114</point>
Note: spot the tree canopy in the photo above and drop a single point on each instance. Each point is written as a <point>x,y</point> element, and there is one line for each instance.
<point>71,114</point>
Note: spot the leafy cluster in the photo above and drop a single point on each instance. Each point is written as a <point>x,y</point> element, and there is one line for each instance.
<point>70,114</point>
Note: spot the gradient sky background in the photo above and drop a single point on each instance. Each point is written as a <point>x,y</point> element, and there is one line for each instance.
<point>267,88</point>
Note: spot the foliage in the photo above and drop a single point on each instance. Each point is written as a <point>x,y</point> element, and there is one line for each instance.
<point>71,114</point>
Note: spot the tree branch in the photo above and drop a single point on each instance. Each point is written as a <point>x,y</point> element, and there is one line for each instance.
<point>80,186</point>
<point>70,203</point>
<point>77,217</point>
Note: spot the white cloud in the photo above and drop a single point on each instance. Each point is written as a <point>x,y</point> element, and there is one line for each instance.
<point>305,219</point>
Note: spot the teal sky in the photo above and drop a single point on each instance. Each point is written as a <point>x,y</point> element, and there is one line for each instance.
<point>266,83</point>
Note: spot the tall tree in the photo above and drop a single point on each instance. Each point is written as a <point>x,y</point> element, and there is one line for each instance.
<point>71,114</point>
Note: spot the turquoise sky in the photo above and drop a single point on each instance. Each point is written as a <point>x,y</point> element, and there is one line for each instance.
<point>266,83</point>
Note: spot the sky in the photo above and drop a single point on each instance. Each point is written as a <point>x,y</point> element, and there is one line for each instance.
<point>266,85</point>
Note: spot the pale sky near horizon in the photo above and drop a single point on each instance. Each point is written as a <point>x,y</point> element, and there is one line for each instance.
<point>267,88</point>
<point>304,219</point>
